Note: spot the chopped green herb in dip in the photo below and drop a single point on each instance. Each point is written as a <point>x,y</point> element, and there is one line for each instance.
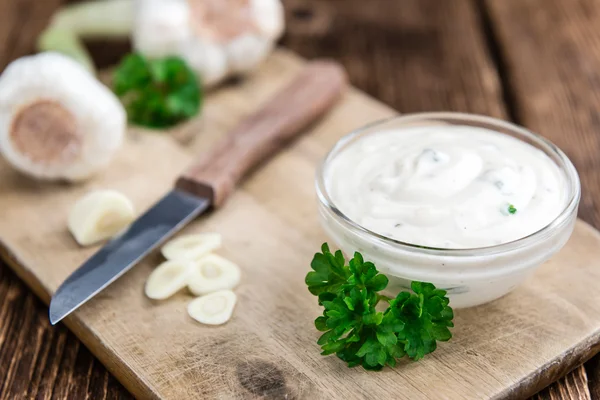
<point>449,186</point>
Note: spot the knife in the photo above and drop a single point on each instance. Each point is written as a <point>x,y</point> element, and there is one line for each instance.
<point>208,182</point>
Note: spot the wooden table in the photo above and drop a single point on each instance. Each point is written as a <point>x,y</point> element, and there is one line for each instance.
<point>535,62</point>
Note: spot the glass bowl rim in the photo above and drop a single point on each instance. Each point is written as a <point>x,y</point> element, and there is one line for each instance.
<point>571,175</point>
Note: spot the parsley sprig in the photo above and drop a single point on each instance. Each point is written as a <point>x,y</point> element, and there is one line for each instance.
<point>157,93</point>
<point>356,331</point>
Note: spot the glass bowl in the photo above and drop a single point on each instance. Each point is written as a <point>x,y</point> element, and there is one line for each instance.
<point>471,276</point>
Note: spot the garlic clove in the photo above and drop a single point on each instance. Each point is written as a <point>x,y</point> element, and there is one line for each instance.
<point>99,215</point>
<point>268,17</point>
<point>207,59</point>
<point>246,52</point>
<point>212,273</point>
<point>167,279</point>
<point>161,27</point>
<point>213,309</point>
<point>191,247</point>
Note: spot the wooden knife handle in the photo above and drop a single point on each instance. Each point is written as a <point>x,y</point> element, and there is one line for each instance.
<point>259,136</point>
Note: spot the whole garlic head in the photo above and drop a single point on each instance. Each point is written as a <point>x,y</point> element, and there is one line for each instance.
<point>217,38</point>
<point>56,120</point>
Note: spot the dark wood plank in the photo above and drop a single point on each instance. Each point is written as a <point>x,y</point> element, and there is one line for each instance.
<point>592,368</point>
<point>414,55</point>
<point>40,361</point>
<point>22,22</point>
<point>572,386</point>
<point>417,55</point>
<point>550,52</point>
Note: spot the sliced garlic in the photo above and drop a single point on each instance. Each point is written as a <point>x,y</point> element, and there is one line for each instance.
<point>167,279</point>
<point>191,247</point>
<point>99,215</point>
<point>213,309</point>
<point>212,273</point>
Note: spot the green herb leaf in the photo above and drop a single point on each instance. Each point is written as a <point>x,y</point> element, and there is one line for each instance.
<point>511,209</point>
<point>157,93</point>
<point>426,317</point>
<point>321,324</point>
<point>329,274</point>
<point>361,335</point>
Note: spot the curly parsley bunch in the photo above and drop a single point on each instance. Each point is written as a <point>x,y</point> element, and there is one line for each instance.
<point>157,93</point>
<point>356,331</point>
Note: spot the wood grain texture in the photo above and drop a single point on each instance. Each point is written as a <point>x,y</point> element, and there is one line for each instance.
<point>592,369</point>
<point>40,361</point>
<point>22,22</point>
<point>271,231</point>
<point>414,55</point>
<point>572,386</point>
<point>550,53</point>
<point>260,135</point>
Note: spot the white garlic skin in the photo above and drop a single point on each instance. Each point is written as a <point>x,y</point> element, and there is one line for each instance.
<point>99,117</point>
<point>169,27</point>
<point>161,27</point>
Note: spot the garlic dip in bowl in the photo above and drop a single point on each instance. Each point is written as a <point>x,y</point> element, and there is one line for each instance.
<point>469,203</point>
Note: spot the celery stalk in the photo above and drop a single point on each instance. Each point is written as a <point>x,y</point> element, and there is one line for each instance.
<point>67,43</point>
<point>97,19</point>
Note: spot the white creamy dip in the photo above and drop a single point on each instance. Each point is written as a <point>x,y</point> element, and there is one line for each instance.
<point>446,186</point>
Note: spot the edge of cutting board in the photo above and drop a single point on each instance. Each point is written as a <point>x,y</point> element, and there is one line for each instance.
<point>537,381</point>
<point>134,383</point>
<point>555,368</point>
<point>131,381</point>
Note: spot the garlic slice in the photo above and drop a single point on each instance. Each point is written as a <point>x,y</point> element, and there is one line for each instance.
<point>191,247</point>
<point>213,309</point>
<point>212,273</point>
<point>167,279</point>
<point>99,215</point>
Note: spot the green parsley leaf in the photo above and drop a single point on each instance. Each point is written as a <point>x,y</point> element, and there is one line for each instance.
<point>365,275</point>
<point>356,331</point>
<point>426,317</point>
<point>157,93</point>
<point>511,209</point>
<point>329,274</point>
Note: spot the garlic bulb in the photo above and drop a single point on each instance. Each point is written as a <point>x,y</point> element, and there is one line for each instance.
<point>100,215</point>
<point>56,120</point>
<point>217,38</point>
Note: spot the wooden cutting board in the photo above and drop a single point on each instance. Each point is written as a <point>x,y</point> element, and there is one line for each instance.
<point>510,348</point>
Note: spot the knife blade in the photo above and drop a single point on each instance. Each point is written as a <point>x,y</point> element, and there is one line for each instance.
<point>207,183</point>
